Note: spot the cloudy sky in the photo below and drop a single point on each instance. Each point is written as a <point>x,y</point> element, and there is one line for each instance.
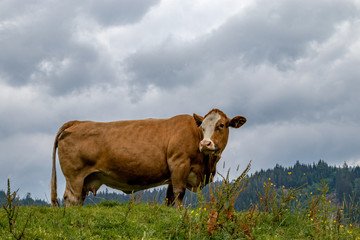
<point>290,67</point>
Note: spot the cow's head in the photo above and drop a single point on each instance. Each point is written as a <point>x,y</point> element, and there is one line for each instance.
<point>215,130</point>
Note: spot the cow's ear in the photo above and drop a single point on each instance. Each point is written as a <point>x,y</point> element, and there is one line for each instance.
<point>237,121</point>
<point>198,119</point>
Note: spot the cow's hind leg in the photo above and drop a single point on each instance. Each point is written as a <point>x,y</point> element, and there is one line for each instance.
<point>74,194</point>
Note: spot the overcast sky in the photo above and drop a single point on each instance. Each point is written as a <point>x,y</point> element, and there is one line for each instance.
<point>292,68</point>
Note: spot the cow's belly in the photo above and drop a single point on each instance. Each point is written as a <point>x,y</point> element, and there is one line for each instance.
<point>95,180</point>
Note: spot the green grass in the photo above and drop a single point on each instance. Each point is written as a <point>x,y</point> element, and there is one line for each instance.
<point>278,215</point>
<point>153,221</point>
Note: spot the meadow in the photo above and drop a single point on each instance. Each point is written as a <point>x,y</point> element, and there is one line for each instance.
<point>279,214</point>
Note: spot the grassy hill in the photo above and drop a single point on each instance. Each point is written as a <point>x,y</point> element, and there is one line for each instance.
<point>154,221</point>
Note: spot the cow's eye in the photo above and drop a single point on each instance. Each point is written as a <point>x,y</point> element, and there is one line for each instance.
<point>221,126</point>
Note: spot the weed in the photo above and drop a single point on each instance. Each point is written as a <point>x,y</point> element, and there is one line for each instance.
<point>271,200</point>
<point>221,216</point>
<point>12,212</point>
<point>351,209</point>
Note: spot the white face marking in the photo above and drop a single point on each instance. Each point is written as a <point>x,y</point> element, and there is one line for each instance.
<point>208,125</point>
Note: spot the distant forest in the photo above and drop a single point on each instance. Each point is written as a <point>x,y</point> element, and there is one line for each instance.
<point>343,183</point>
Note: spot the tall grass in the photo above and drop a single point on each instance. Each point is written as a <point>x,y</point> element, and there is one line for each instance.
<point>280,213</point>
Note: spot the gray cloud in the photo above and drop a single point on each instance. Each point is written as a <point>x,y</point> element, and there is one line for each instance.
<point>41,44</point>
<point>278,32</point>
<point>114,12</point>
<point>290,67</point>
<point>275,34</point>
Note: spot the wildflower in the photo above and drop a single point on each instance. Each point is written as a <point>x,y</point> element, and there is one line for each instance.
<point>311,219</point>
<point>204,208</point>
<point>304,174</point>
<point>196,214</point>
<point>329,201</point>
<point>269,179</point>
<point>283,186</point>
<point>192,211</point>
<point>334,221</point>
<point>199,209</point>
<point>341,226</point>
<point>289,173</point>
<point>350,225</point>
<point>310,193</point>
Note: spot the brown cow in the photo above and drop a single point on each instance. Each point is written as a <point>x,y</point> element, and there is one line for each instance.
<point>181,151</point>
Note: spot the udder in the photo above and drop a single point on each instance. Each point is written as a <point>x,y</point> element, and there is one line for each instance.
<point>193,182</point>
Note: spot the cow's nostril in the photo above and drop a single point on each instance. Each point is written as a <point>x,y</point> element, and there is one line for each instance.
<point>205,143</point>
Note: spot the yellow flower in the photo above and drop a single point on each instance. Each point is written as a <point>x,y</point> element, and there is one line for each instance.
<point>289,173</point>
<point>311,219</point>
<point>204,208</point>
<point>283,186</point>
<point>334,221</point>
<point>310,192</point>
<point>192,211</point>
<point>304,174</point>
<point>341,226</point>
<point>196,214</point>
<point>269,179</point>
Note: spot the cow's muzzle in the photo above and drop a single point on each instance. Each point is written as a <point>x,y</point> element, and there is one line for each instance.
<point>207,146</point>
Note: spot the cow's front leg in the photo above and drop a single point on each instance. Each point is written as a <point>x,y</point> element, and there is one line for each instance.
<point>179,174</point>
<point>170,197</point>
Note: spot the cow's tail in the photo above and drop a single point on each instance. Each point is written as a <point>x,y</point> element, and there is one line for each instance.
<point>54,200</point>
